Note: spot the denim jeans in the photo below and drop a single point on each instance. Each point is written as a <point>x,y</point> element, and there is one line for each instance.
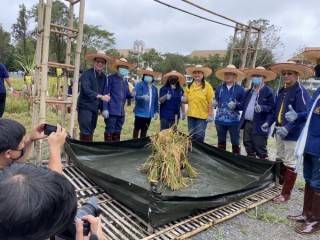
<point>197,128</point>
<point>166,123</point>
<point>87,121</point>
<point>233,131</point>
<point>114,124</point>
<point>311,170</point>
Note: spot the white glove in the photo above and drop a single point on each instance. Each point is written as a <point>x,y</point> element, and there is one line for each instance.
<point>265,127</point>
<point>10,89</point>
<point>183,99</point>
<point>232,105</point>
<point>214,103</point>
<point>133,93</point>
<point>210,119</point>
<point>282,132</point>
<point>257,108</point>
<point>146,97</point>
<point>156,116</point>
<point>291,115</point>
<point>168,96</point>
<point>105,114</point>
<point>183,116</point>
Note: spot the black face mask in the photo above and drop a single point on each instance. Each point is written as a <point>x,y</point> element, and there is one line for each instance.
<point>173,81</point>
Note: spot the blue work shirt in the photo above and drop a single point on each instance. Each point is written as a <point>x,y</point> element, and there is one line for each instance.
<point>92,84</point>
<point>3,75</point>
<point>144,108</point>
<point>170,108</point>
<point>118,89</point>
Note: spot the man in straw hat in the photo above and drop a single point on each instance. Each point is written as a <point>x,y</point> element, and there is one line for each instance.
<point>291,96</point>
<point>170,99</point>
<point>147,105</point>
<point>258,105</point>
<point>91,94</point>
<point>118,89</point>
<point>228,98</point>
<point>199,95</point>
<point>314,57</point>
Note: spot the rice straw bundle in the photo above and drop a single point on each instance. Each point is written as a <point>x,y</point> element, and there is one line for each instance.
<point>168,159</point>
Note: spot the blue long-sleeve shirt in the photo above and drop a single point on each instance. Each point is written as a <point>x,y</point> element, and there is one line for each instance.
<point>170,108</point>
<point>118,89</point>
<point>223,95</point>
<point>266,99</point>
<point>92,84</point>
<point>143,108</point>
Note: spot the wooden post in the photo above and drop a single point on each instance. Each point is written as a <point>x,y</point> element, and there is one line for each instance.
<point>246,45</point>
<point>254,60</point>
<point>234,40</point>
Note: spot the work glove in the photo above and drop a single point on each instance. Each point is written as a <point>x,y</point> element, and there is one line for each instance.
<point>133,93</point>
<point>105,114</point>
<point>183,99</point>
<point>146,97</point>
<point>210,118</point>
<point>291,115</point>
<point>257,108</point>
<point>156,116</point>
<point>168,96</point>
<point>214,103</point>
<point>183,116</point>
<point>282,132</point>
<point>232,105</point>
<point>10,89</point>
<point>265,127</point>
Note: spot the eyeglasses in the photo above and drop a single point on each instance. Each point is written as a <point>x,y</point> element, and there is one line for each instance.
<point>287,73</point>
<point>100,61</point>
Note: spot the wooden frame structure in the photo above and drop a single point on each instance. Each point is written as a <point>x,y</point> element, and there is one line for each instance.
<point>45,28</point>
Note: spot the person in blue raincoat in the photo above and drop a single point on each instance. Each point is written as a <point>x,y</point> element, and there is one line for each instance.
<point>147,105</point>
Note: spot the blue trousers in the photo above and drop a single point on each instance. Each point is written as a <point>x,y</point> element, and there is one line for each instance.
<point>114,124</point>
<point>87,121</point>
<point>311,171</point>
<point>233,131</point>
<point>166,123</point>
<point>197,128</point>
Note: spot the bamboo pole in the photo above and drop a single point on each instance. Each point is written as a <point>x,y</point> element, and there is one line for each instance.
<point>233,44</point>
<point>246,45</point>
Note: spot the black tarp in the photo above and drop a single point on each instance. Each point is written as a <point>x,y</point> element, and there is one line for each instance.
<point>222,177</point>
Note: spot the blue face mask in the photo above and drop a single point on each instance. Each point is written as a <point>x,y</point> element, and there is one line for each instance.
<point>123,72</point>
<point>256,80</point>
<point>148,79</point>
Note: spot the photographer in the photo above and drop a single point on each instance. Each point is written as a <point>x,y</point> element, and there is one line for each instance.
<point>95,228</point>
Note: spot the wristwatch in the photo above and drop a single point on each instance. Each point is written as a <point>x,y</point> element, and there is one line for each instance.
<point>93,237</point>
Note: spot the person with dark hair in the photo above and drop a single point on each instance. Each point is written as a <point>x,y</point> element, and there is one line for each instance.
<point>118,89</point>
<point>93,82</point>
<point>291,96</point>
<point>4,77</point>
<point>147,105</point>
<point>199,95</point>
<point>258,106</point>
<point>229,97</point>
<point>170,99</point>
<point>15,146</point>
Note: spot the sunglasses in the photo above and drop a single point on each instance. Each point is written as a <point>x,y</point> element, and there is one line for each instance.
<point>287,73</point>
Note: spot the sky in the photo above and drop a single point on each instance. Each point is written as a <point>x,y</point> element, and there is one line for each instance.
<point>168,30</point>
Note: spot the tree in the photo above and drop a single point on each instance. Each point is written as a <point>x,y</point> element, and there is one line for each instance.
<point>151,58</point>
<point>6,49</point>
<point>20,29</point>
<point>171,61</point>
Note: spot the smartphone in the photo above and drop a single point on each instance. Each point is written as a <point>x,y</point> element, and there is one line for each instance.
<point>48,129</point>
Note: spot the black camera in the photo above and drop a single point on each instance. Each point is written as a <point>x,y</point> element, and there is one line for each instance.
<point>90,207</point>
<point>48,129</point>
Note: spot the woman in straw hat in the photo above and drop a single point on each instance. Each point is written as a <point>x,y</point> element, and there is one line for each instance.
<point>118,89</point>
<point>147,105</point>
<point>296,97</point>
<point>314,57</point>
<point>91,94</point>
<point>199,95</point>
<point>258,106</point>
<point>229,98</point>
<point>170,99</point>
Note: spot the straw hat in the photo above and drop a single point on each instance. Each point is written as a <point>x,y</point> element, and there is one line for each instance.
<point>181,78</point>
<point>311,55</point>
<point>100,54</point>
<point>303,70</point>
<point>149,71</point>
<point>261,71</point>
<point>206,70</point>
<point>122,62</point>
<point>230,69</point>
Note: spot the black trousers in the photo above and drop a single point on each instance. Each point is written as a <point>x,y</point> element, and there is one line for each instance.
<point>254,143</point>
<point>2,103</point>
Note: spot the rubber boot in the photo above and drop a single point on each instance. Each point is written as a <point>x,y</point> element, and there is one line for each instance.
<point>289,180</point>
<point>236,149</point>
<point>307,205</point>
<point>116,137</point>
<point>222,145</point>
<point>135,133</point>
<point>283,170</point>
<point>252,155</point>
<point>313,223</point>
<point>107,137</point>
<point>86,137</point>
<point>143,133</point>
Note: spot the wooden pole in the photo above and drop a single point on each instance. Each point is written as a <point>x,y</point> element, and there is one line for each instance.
<point>234,40</point>
<point>254,60</point>
<point>246,45</point>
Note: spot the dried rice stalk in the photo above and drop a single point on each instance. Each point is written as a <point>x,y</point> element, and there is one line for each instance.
<point>168,158</point>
